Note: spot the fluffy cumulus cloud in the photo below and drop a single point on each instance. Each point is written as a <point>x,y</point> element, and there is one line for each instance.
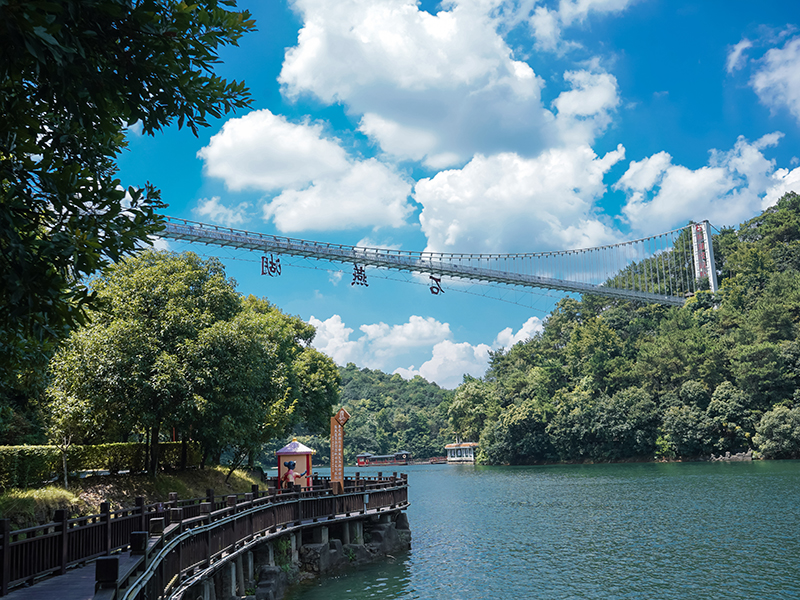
<point>585,110</point>
<point>506,203</point>
<point>733,186</point>
<point>380,345</point>
<point>507,337</point>
<point>368,193</point>
<point>402,70</point>
<point>321,186</point>
<point>777,79</point>
<point>449,363</point>
<point>547,24</point>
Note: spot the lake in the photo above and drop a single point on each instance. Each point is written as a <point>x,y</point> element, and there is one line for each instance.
<point>646,530</point>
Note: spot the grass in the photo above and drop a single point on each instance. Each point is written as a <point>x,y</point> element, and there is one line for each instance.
<point>26,508</point>
<point>33,507</point>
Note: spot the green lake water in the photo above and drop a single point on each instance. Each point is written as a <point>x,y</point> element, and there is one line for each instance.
<point>645,531</point>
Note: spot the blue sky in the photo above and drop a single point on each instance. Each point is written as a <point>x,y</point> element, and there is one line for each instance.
<point>479,126</point>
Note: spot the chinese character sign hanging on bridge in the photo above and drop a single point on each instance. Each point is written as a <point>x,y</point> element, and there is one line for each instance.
<point>359,276</point>
<point>436,286</point>
<point>270,266</point>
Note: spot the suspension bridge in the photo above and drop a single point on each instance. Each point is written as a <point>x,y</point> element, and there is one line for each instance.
<point>665,268</point>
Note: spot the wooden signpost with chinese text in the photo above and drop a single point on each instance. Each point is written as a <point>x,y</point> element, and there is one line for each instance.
<point>337,450</point>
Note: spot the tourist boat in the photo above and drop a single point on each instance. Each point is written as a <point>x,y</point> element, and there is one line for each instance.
<point>461,452</point>
<point>376,460</point>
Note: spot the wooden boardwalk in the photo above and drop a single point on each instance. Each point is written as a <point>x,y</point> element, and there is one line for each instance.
<point>76,584</point>
<point>168,553</point>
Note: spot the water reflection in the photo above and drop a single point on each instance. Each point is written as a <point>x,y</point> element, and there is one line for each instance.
<point>387,579</point>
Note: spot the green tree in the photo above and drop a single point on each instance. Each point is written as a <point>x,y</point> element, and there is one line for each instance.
<point>778,433</point>
<point>731,422</point>
<point>474,404</point>
<point>73,75</point>
<point>179,348</point>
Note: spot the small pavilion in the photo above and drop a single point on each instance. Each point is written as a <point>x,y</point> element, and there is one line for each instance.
<point>300,454</point>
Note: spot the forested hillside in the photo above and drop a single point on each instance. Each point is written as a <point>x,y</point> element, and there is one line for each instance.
<point>389,413</point>
<point>612,380</point>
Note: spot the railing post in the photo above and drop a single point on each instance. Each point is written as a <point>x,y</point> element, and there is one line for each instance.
<point>176,516</point>
<point>106,572</point>
<point>105,509</point>
<point>5,576</point>
<point>205,509</point>
<point>173,499</point>
<point>254,489</point>
<point>62,518</point>
<point>231,501</point>
<point>210,497</point>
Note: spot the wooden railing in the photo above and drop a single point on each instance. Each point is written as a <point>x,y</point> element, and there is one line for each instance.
<point>227,521</point>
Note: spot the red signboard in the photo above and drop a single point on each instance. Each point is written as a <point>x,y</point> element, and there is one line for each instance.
<point>337,447</point>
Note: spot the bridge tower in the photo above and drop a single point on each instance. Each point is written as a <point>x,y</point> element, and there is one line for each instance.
<point>704,265</point>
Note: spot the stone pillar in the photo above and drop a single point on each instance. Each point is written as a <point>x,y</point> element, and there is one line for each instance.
<point>250,572</point>
<point>271,550</point>
<point>240,575</point>
<point>296,543</point>
<point>385,518</point>
<point>208,591</point>
<point>227,576</point>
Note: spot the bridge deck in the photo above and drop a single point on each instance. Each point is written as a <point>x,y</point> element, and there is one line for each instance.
<point>481,267</point>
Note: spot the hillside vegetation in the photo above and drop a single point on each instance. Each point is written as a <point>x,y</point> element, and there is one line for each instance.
<point>609,380</point>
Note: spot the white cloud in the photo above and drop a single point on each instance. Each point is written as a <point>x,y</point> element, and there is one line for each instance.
<point>396,139</point>
<point>507,337</point>
<point>368,194</point>
<point>385,340</point>
<point>783,180</point>
<point>405,69</point>
<point>322,186</point>
<point>777,81</point>
<point>333,338</point>
<point>264,151</point>
<point>449,362</point>
<point>368,242</point>
<point>508,203</point>
<point>136,128</point>
<point>547,24</point>
<point>731,188</point>
<point>736,57</point>
<point>213,210</point>
<point>160,243</point>
<point>383,346</point>
<point>380,345</point>
<point>585,110</point>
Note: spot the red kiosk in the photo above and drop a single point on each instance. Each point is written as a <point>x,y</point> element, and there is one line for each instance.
<point>295,452</point>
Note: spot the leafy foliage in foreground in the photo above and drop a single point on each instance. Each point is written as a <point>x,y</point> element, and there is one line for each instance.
<point>609,380</point>
<point>73,75</point>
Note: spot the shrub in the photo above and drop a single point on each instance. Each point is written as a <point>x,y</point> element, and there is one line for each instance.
<point>778,433</point>
<point>26,466</point>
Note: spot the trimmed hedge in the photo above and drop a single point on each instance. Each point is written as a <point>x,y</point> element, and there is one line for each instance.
<point>26,466</point>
